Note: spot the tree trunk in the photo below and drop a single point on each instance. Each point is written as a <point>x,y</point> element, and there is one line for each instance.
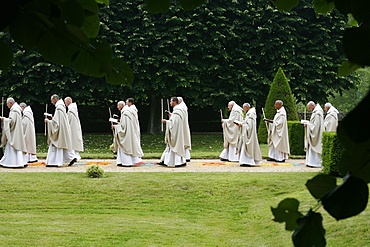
<point>154,123</point>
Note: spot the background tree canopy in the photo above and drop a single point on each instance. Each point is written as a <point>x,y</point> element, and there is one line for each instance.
<point>220,51</point>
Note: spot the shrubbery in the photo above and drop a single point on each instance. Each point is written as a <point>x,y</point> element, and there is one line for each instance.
<point>296,138</point>
<point>332,151</point>
<point>94,171</point>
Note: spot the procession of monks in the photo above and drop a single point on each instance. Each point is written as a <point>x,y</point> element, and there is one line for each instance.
<point>64,134</point>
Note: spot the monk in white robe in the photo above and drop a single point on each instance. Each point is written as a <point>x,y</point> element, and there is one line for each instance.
<point>313,135</point>
<point>74,123</point>
<point>126,139</point>
<point>278,138</point>
<point>60,150</point>
<point>331,118</point>
<point>249,149</point>
<point>231,133</point>
<point>29,133</point>
<point>187,135</point>
<point>174,154</point>
<point>12,137</point>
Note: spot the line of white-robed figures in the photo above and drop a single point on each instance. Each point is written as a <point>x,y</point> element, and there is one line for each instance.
<point>241,142</point>
<point>126,135</point>
<point>19,138</point>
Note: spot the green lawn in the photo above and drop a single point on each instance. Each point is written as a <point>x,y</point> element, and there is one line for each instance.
<point>158,209</point>
<point>98,146</point>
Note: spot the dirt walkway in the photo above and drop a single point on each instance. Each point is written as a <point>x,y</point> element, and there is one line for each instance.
<point>196,165</point>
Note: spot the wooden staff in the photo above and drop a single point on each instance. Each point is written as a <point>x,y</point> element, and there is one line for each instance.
<point>161,114</point>
<point>2,106</point>
<point>46,111</point>
<point>168,105</point>
<point>304,116</point>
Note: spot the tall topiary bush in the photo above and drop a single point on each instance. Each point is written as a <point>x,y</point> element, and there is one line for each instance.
<point>279,89</point>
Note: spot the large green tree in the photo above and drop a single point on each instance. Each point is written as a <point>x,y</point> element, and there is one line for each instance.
<point>221,51</point>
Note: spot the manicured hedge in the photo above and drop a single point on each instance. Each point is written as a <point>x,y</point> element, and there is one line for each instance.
<point>296,138</point>
<point>332,151</point>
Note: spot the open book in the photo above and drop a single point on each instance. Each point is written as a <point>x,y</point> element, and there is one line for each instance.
<point>113,120</point>
<point>305,122</point>
<point>48,115</point>
<point>238,122</point>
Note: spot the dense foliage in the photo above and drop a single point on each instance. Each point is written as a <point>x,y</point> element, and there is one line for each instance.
<point>220,51</point>
<point>296,138</point>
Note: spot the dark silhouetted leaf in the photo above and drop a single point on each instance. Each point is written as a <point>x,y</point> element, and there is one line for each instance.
<point>158,6</point>
<point>287,211</point>
<point>310,231</point>
<point>348,199</point>
<point>6,57</point>
<point>355,137</point>
<point>26,30</point>
<point>72,13</point>
<point>285,5</point>
<point>356,44</point>
<point>320,185</point>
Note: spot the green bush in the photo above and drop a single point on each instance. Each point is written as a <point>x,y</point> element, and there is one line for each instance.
<point>332,151</point>
<point>279,90</point>
<point>94,171</point>
<point>296,137</point>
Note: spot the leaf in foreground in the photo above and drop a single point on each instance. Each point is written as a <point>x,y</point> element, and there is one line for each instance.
<point>287,211</point>
<point>348,199</point>
<point>285,5</point>
<point>320,185</point>
<point>310,232</point>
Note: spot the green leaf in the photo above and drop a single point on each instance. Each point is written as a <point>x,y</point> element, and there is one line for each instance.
<point>355,137</point>
<point>320,185</point>
<point>287,211</point>
<point>91,24</point>
<point>191,4</point>
<point>119,73</point>
<point>56,48</point>
<point>106,2</point>
<point>323,6</point>
<point>352,21</point>
<point>348,199</point>
<point>6,57</point>
<point>347,68</point>
<point>356,44</point>
<point>26,30</point>
<point>158,6</point>
<point>310,231</point>
<point>285,5</point>
<point>72,13</point>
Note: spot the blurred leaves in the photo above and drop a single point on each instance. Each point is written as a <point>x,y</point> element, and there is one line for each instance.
<point>348,199</point>
<point>320,185</point>
<point>310,231</point>
<point>64,33</point>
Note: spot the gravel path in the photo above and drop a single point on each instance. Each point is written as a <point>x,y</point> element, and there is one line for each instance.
<point>196,165</point>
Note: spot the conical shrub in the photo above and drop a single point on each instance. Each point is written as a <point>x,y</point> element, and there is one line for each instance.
<point>279,90</point>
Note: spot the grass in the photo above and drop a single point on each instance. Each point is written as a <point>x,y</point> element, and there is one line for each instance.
<point>97,146</point>
<point>158,209</point>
